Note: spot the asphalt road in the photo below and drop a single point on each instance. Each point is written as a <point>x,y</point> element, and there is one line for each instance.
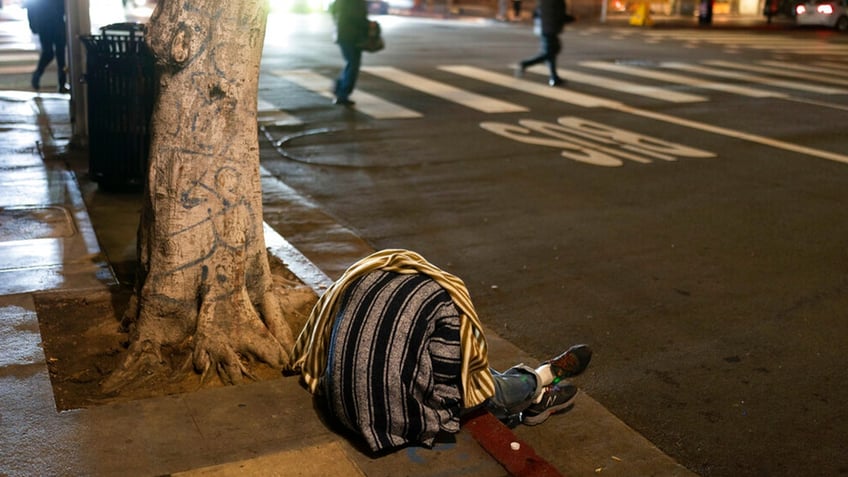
<point>695,237</point>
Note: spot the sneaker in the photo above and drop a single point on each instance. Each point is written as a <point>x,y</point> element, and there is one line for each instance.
<point>555,398</point>
<point>344,102</point>
<point>35,81</point>
<point>571,363</point>
<point>556,82</point>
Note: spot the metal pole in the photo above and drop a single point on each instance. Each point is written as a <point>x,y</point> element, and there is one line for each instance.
<point>78,23</point>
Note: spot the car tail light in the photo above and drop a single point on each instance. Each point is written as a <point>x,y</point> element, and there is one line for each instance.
<point>826,9</point>
<point>800,9</point>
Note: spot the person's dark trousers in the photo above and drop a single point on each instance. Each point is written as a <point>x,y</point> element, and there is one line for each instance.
<point>52,46</point>
<point>550,49</point>
<point>347,79</point>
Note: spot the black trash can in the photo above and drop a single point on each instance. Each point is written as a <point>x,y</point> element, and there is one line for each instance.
<point>121,87</point>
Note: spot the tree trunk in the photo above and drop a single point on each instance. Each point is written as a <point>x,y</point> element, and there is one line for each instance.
<point>205,290</point>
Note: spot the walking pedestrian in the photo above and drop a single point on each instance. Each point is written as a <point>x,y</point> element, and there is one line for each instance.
<point>395,351</point>
<point>47,20</point>
<point>351,17</point>
<point>516,10</point>
<point>551,16</point>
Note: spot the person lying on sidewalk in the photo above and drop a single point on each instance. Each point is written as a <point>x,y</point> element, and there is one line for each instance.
<point>396,352</point>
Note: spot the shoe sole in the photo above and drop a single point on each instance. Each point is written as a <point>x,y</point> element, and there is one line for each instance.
<point>543,416</point>
<point>579,370</point>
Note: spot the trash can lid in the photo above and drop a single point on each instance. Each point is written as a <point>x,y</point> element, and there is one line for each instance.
<point>124,28</point>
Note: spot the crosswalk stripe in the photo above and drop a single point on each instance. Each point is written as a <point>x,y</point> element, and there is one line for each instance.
<point>263,105</point>
<point>525,86</point>
<point>811,50</point>
<point>17,61</point>
<point>810,88</point>
<point>16,55</point>
<point>269,114</point>
<point>831,64</point>
<point>662,94</point>
<point>742,40</point>
<point>378,108</point>
<point>680,79</point>
<point>726,39</point>
<point>718,38</point>
<point>444,91</point>
<point>366,103</point>
<point>781,68</point>
<point>17,69</point>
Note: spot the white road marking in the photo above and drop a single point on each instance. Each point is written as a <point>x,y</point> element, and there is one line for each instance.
<point>792,70</point>
<point>787,146</point>
<point>379,108</point>
<point>19,56</point>
<point>17,69</point>
<point>366,103</point>
<point>832,64</point>
<point>18,62</point>
<point>593,143</point>
<point>445,91</point>
<point>559,94</point>
<point>810,88</point>
<point>680,79</point>
<point>269,114</point>
<point>663,94</point>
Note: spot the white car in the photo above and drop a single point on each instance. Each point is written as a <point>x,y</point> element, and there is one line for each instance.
<point>829,13</point>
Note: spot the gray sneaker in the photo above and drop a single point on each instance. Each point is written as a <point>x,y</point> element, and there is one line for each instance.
<point>555,398</point>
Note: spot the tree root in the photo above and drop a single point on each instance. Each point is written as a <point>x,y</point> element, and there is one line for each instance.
<point>141,364</point>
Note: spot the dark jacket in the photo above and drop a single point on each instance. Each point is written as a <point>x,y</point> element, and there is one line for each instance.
<point>552,15</point>
<point>351,18</point>
<point>45,15</point>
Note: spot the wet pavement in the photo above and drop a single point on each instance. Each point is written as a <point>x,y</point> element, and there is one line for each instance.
<point>43,219</point>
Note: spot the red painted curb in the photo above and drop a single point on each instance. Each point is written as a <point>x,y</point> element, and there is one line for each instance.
<point>496,438</point>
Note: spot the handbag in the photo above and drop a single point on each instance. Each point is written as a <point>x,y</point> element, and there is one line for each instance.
<point>374,40</point>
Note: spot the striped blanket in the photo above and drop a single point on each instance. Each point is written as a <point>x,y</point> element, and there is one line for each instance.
<point>394,361</point>
<point>309,355</point>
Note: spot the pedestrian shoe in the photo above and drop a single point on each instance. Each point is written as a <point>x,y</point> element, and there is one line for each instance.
<point>519,70</point>
<point>344,102</point>
<point>571,363</point>
<point>555,398</point>
<point>34,81</point>
<point>556,82</point>
<point>64,90</point>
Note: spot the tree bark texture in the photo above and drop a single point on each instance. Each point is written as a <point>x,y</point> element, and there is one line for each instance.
<point>205,288</point>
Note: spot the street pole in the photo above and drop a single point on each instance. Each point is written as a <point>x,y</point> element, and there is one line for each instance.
<point>78,23</point>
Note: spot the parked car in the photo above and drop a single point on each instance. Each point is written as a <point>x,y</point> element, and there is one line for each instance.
<point>828,13</point>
